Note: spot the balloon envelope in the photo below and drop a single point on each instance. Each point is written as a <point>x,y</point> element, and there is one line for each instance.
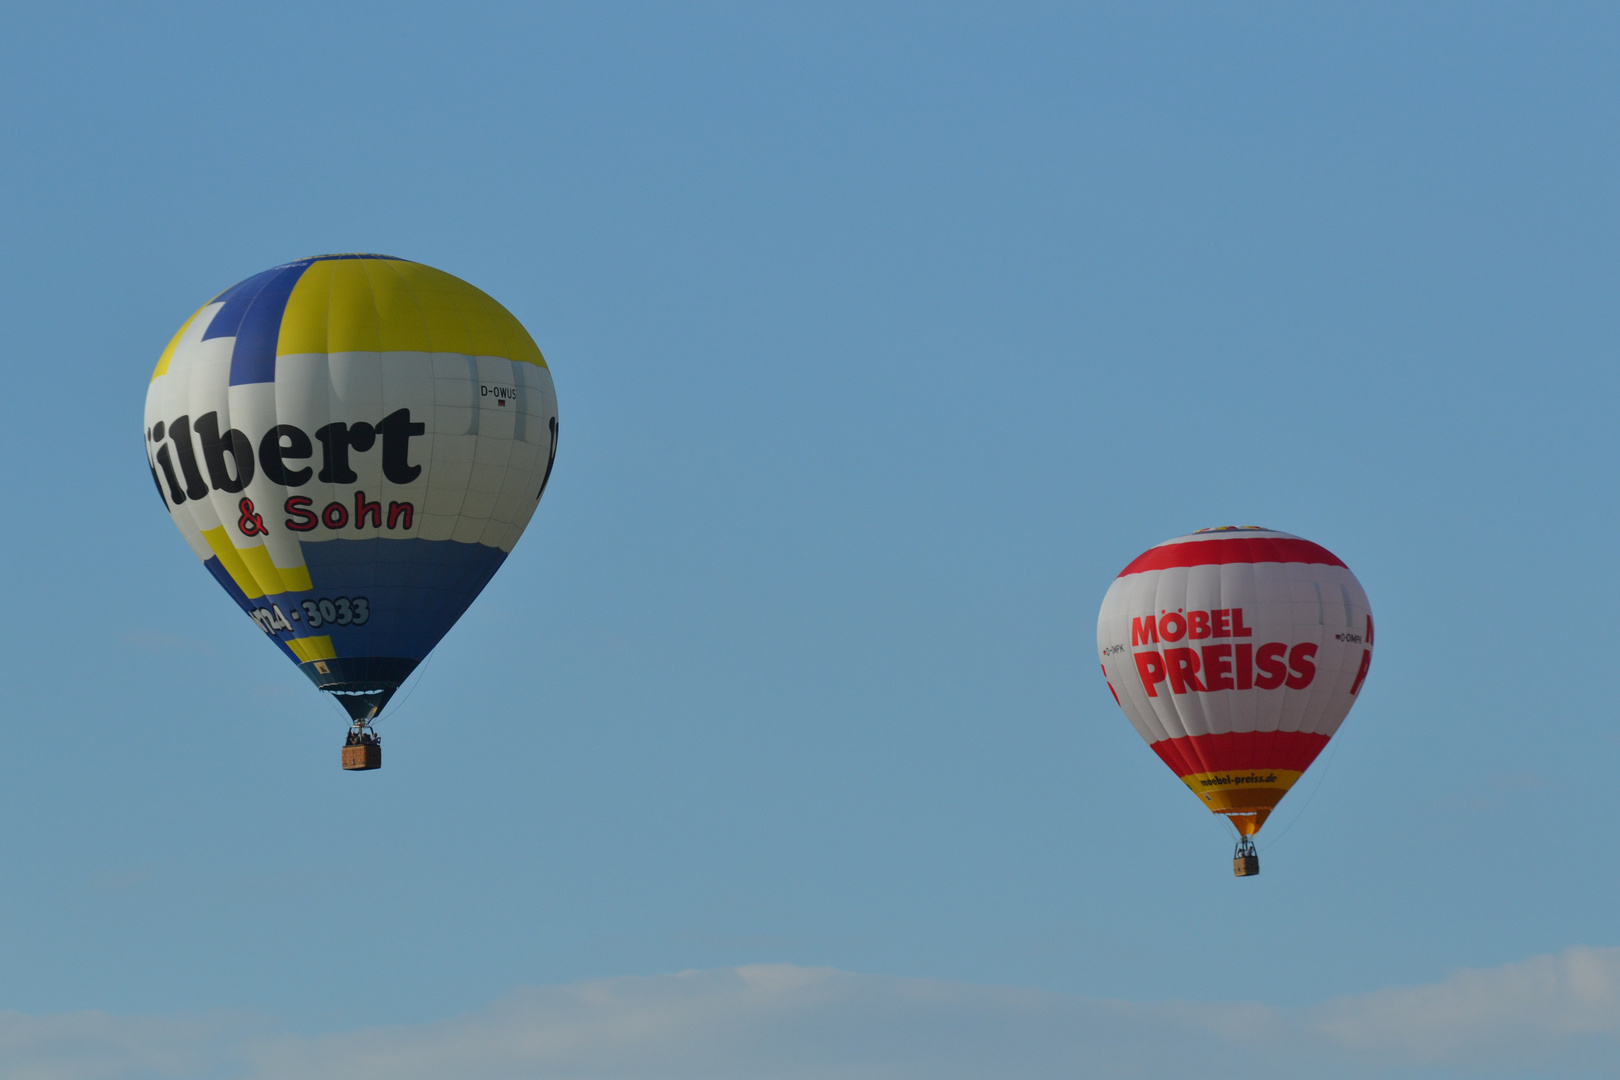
<point>1236,654</point>
<point>352,444</point>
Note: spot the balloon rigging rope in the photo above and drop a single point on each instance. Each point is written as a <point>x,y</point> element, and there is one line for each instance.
<point>394,710</point>
<point>1224,826</point>
<point>340,710</point>
<point>1326,765</point>
<point>418,673</point>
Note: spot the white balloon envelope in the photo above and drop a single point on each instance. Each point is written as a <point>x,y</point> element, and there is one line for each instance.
<point>1236,654</point>
<point>352,445</point>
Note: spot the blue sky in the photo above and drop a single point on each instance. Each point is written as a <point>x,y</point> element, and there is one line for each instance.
<point>883,336</point>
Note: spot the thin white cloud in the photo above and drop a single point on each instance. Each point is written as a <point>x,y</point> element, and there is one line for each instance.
<point>100,1046</point>
<point>1542,1012</point>
<point>1546,1016</point>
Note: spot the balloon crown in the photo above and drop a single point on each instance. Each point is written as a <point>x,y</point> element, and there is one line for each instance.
<point>1233,528</point>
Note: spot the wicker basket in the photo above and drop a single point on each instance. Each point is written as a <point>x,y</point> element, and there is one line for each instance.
<point>364,756</point>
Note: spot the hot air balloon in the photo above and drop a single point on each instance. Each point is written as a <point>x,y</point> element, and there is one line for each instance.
<point>1236,653</point>
<point>352,444</point>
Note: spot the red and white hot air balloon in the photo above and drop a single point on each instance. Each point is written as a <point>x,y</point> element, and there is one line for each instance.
<point>1236,653</point>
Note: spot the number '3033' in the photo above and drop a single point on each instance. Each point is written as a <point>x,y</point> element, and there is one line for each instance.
<point>339,611</point>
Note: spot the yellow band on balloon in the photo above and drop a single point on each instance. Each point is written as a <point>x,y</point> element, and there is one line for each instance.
<point>1241,790</point>
<point>168,350</point>
<point>391,305</point>
<point>313,648</point>
<point>252,569</point>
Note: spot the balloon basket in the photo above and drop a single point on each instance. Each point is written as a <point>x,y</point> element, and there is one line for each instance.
<point>362,750</point>
<point>1245,860</point>
<point>357,758</point>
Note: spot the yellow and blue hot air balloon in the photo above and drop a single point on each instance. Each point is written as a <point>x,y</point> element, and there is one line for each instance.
<point>352,445</point>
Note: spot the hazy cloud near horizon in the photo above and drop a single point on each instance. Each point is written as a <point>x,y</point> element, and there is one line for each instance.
<point>1548,1015</point>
